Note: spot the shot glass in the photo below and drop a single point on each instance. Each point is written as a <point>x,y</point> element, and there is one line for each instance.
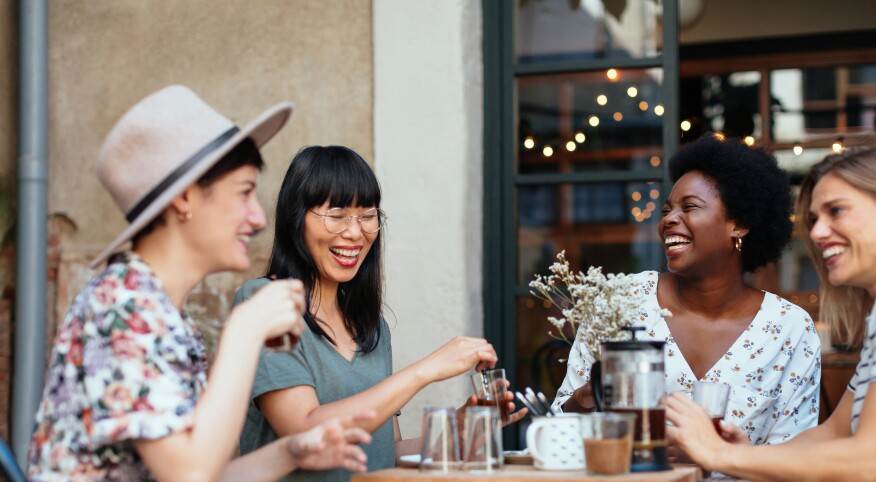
<point>713,397</point>
<point>482,446</point>
<point>608,442</point>
<point>440,450</point>
<point>489,387</point>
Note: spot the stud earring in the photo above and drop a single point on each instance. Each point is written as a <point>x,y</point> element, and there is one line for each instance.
<point>737,243</point>
<point>184,217</point>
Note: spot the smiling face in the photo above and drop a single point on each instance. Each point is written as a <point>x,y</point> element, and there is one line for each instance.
<point>337,257</point>
<point>841,217</point>
<point>695,231</point>
<point>225,216</point>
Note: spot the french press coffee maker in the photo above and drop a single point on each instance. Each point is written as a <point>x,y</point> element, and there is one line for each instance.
<point>632,381</point>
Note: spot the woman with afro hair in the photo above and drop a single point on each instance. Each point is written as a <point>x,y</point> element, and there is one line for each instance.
<point>729,213</point>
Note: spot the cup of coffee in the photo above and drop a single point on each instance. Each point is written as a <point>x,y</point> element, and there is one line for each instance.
<point>608,442</point>
<point>490,386</point>
<point>555,442</point>
<point>440,449</point>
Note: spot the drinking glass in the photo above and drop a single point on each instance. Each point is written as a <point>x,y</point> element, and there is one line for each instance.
<point>489,387</point>
<point>440,450</point>
<point>482,446</point>
<point>713,397</point>
<point>283,343</point>
<point>608,442</point>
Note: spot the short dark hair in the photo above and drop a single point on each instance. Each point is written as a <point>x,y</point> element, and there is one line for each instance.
<point>340,176</point>
<point>754,189</point>
<point>243,154</point>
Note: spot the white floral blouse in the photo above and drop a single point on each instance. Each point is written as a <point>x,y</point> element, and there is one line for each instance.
<point>126,365</point>
<point>865,372</point>
<point>774,368</point>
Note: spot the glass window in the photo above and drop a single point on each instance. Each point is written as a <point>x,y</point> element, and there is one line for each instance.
<point>575,30</point>
<point>610,224</point>
<point>593,121</point>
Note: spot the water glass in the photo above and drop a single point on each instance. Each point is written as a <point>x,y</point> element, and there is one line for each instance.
<point>713,397</point>
<point>483,439</point>
<point>440,450</point>
<point>489,387</point>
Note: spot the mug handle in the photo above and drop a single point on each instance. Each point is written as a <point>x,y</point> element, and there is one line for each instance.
<point>532,437</point>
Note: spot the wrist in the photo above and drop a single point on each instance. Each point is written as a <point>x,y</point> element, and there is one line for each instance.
<point>243,333</point>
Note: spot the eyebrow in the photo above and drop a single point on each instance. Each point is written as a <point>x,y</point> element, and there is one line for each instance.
<point>689,196</point>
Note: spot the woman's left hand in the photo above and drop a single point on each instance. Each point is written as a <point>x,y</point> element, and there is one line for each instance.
<point>332,444</point>
<point>692,430</point>
<point>508,399</point>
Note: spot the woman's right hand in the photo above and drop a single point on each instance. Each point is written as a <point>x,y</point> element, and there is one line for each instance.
<point>581,401</point>
<point>457,356</point>
<point>275,308</point>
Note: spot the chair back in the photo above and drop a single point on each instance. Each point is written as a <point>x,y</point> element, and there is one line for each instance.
<point>10,467</point>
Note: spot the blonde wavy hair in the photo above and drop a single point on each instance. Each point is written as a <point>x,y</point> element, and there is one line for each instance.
<point>845,308</point>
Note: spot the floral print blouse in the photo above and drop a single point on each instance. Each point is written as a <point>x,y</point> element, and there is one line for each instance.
<point>774,368</point>
<point>126,365</point>
<point>865,372</point>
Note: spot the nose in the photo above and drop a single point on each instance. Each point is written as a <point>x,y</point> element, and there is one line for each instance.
<point>256,215</point>
<point>353,230</point>
<point>819,230</point>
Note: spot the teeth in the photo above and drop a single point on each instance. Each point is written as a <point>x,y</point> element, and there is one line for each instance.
<point>671,240</point>
<point>245,238</point>
<point>349,253</point>
<point>832,251</point>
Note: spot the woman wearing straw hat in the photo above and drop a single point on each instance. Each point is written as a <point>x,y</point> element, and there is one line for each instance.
<point>126,394</point>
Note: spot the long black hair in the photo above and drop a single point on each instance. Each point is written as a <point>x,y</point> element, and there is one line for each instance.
<point>340,176</point>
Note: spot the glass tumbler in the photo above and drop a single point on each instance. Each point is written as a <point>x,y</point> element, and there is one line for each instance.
<point>440,450</point>
<point>482,446</point>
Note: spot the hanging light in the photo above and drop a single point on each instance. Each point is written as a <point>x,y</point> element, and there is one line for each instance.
<point>601,99</point>
<point>655,161</point>
<point>749,141</point>
<point>529,142</point>
<point>798,149</point>
<point>618,116</point>
<point>580,137</point>
<point>658,109</point>
<point>636,196</point>
<point>685,125</point>
<point>632,91</point>
<point>643,106</point>
<point>593,120</point>
<point>548,151</point>
<point>837,145</point>
<point>612,74</point>
<point>570,146</point>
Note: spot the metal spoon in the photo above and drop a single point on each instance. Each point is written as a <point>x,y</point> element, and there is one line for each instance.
<point>544,401</point>
<point>526,403</point>
<point>533,399</point>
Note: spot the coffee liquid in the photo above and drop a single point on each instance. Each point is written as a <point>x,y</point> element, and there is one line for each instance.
<point>716,422</point>
<point>608,456</point>
<point>503,408</point>
<point>286,341</point>
<point>649,439</point>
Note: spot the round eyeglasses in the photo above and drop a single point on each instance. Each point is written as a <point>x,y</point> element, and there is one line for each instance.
<point>336,220</point>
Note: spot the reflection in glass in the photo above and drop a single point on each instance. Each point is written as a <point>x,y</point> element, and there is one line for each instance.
<point>823,102</point>
<point>570,30</point>
<point>611,224</point>
<point>607,126</point>
<point>725,103</point>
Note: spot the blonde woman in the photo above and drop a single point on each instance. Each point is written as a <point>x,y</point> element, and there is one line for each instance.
<point>836,207</point>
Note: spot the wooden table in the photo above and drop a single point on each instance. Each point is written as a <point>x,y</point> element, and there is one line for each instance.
<point>524,473</point>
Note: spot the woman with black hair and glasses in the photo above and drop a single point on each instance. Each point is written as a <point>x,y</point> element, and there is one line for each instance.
<point>328,233</point>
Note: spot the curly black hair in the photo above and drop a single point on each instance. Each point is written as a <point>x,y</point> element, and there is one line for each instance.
<point>754,189</point>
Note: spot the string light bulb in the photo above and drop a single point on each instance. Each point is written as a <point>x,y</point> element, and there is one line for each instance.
<point>798,149</point>
<point>529,142</point>
<point>612,74</point>
<point>580,137</point>
<point>749,141</point>
<point>837,145</point>
<point>548,151</point>
<point>570,146</point>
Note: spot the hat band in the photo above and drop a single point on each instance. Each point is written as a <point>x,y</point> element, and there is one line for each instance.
<point>152,195</point>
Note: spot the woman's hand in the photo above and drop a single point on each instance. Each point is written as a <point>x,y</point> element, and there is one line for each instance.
<point>332,444</point>
<point>274,309</point>
<point>507,398</point>
<point>581,401</point>
<point>456,357</point>
<point>692,430</point>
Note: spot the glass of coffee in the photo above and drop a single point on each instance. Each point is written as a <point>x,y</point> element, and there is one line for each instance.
<point>489,387</point>
<point>608,442</point>
<point>713,397</point>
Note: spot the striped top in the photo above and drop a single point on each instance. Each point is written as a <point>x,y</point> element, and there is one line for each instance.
<point>865,372</point>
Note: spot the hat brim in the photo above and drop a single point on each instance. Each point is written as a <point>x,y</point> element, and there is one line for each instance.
<point>261,130</point>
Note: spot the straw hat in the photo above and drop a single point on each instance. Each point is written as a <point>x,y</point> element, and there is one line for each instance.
<point>165,143</point>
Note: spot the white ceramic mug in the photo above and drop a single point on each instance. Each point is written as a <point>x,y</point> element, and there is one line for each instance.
<point>556,443</point>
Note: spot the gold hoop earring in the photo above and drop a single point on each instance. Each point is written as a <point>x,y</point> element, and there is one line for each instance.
<point>737,243</point>
<point>184,217</point>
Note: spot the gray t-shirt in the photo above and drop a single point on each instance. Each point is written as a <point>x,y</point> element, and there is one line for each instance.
<point>315,362</point>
